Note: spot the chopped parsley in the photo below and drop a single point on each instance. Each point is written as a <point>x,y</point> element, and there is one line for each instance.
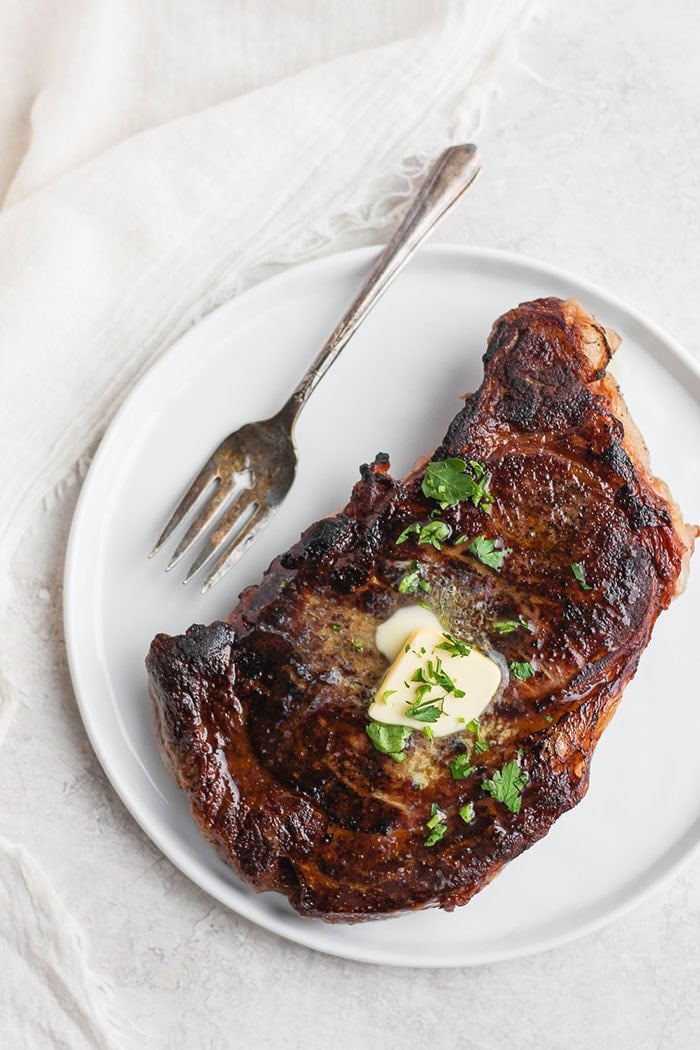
<point>478,469</point>
<point>386,694</point>
<point>506,785</point>
<point>436,834</point>
<point>335,627</point>
<point>577,570</point>
<point>508,626</point>
<point>433,533</point>
<point>454,646</point>
<point>480,744</point>
<point>522,671</point>
<point>485,550</point>
<point>548,718</point>
<point>436,816</point>
<point>432,675</point>
<point>436,825</point>
<point>466,812</point>
<point>451,481</point>
<point>412,581</point>
<point>424,711</point>
<point>409,531</point>
<point>357,644</point>
<point>390,740</point>
<point>460,767</point>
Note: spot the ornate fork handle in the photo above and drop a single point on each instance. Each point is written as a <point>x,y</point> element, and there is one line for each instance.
<point>230,517</point>
<point>451,175</point>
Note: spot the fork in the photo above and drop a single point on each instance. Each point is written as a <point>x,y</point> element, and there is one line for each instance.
<point>265,452</point>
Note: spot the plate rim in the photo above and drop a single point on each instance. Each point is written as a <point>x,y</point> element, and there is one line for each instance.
<point>671,862</point>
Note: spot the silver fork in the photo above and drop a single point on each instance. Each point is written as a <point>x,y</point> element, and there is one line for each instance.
<point>265,451</point>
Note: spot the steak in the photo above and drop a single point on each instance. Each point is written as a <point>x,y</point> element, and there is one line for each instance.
<point>262,719</point>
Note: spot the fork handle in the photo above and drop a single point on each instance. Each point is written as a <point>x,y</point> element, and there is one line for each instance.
<point>450,176</point>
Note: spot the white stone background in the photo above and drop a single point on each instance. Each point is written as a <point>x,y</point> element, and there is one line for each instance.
<point>591,158</point>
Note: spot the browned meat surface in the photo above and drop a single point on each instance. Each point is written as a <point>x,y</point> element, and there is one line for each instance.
<point>262,719</point>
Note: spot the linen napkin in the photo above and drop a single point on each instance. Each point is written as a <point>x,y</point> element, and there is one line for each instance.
<point>156,159</point>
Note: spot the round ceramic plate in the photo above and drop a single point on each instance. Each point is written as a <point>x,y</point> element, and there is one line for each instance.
<point>395,389</point>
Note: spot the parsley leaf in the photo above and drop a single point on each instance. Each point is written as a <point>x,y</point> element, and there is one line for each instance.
<point>508,626</point>
<point>412,581</point>
<point>357,644</point>
<point>436,824</point>
<point>577,570</point>
<point>447,481</point>
<point>433,533</point>
<point>454,646</point>
<point>450,481</point>
<point>522,671</point>
<point>506,785</point>
<point>485,550</point>
<point>408,532</point>
<point>481,492</point>
<point>424,712</point>
<point>466,812</point>
<point>390,740</point>
<point>335,627</point>
<point>460,767</point>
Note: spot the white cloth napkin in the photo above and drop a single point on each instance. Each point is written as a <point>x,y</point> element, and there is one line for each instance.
<point>165,156</point>
<point>155,158</point>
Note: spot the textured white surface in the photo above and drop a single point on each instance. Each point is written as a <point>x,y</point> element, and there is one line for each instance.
<point>591,160</point>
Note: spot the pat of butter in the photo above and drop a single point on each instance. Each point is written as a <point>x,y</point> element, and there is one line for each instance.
<point>390,636</point>
<point>475,675</point>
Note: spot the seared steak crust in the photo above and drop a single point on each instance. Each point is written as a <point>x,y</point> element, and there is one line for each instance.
<point>261,719</point>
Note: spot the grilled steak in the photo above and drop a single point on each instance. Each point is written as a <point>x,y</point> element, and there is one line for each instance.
<point>262,719</point>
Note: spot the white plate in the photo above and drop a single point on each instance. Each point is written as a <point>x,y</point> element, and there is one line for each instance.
<point>394,389</point>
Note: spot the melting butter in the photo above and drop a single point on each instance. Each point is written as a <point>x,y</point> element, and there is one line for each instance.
<point>450,673</point>
<point>390,637</point>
